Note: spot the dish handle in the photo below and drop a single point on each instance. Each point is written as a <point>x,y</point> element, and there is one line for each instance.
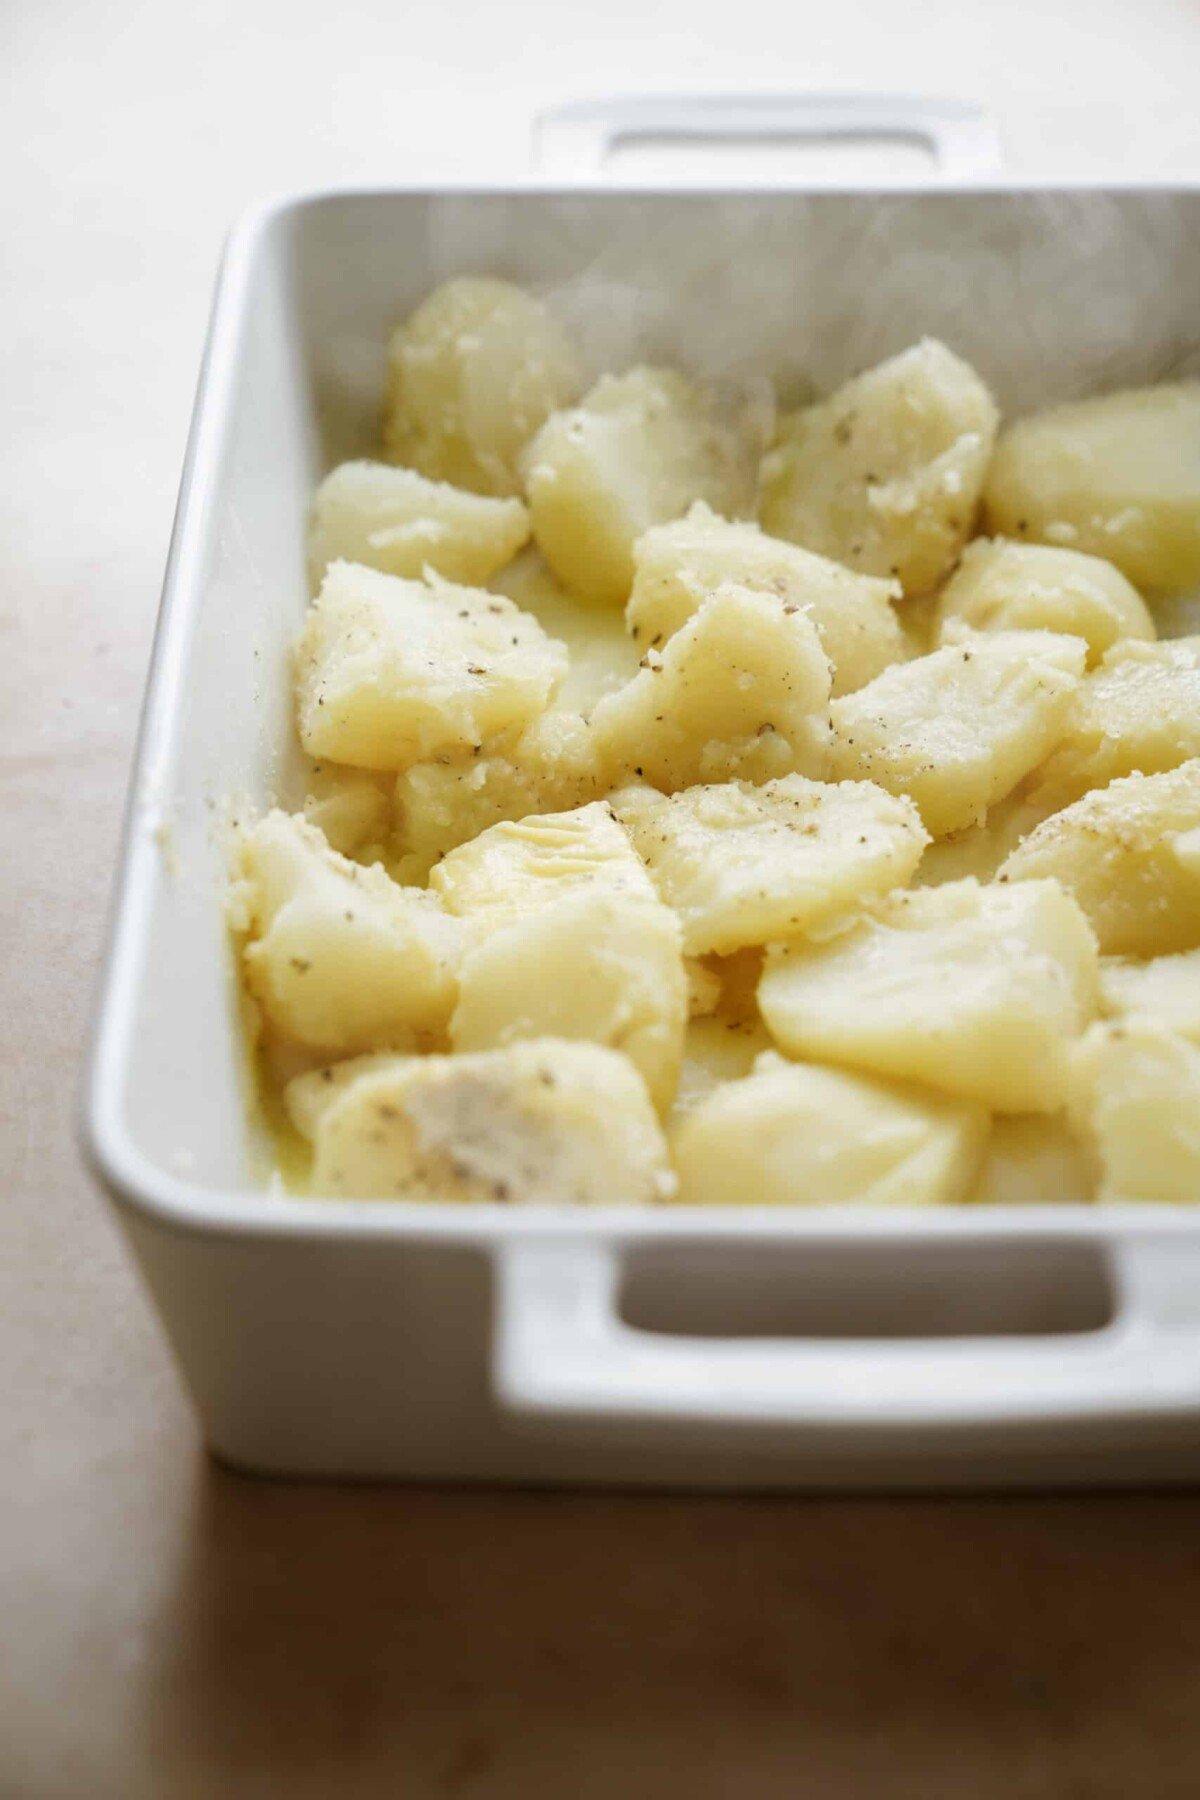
<point>573,142</point>
<point>563,1354</point>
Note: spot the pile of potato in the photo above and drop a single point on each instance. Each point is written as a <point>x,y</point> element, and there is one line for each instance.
<point>692,824</point>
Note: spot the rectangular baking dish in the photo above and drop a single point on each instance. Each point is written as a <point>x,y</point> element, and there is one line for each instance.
<point>753,1348</point>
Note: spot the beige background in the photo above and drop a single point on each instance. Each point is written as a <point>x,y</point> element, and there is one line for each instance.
<point>167,1630</point>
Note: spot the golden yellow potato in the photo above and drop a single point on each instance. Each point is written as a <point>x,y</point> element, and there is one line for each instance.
<point>885,476</point>
<point>351,807</point>
<point>391,672</point>
<point>1000,585</point>
<point>978,991</point>
<point>740,692</point>
<point>637,450</point>
<point>1117,476</point>
<point>540,1123</point>
<point>1122,852</point>
<point>593,964</point>
<point>473,374</point>
<point>704,988</point>
<point>1164,991</point>
<point>549,767</point>
<point>679,564</point>
<point>958,729</point>
<point>717,1048</point>
<point>792,1134</point>
<point>403,523</point>
<point>339,957</point>
<point>745,865</point>
<point>515,868</point>
<point>1138,714</point>
<point>1137,1099</point>
<point>980,850</point>
<point>1034,1159</point>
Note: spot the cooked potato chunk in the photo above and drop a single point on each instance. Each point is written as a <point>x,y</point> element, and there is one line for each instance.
<point>351,807</point>
<point>792,1134</point>
<point>678,565</point>
<point>551,767</point>
<point>603,655</point>
<point>717,1048</point>
<point>980,850</point>
<point>885,476</point>
<point>309,1095</point>
<point>976,990</point>
<point>541,1123</point>
<point>1138,714</point>
<point>1137,1094</point>
<point>637,450</point>
<point>704,988</point>
<point>1034,1159</point>
<point>403,523</point>
<point>511,870</point>
<point>742,690</point>
<point>1164,991</point>
<point>473,374</point>
<point>339,957</point>
<point>1003,586</point>
<point>745,865</point>
<point>591,964</point>
<point>1118,477</point>
<point>391,672</point>
<point>569,939</point>
<point>1122,853</point>
<point>958,729</point>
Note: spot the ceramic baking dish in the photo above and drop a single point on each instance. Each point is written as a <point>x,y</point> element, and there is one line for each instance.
<point>756,1347</point>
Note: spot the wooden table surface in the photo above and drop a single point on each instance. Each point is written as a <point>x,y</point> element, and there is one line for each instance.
<point>169,1630</point>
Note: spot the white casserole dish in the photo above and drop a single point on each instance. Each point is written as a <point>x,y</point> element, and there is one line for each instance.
<point>750,1348</point>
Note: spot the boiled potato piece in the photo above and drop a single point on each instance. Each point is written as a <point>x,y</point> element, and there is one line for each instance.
<point>473,373</point>
<point>541,1123</point>
<point>403,523</point>
<point>1137,1096</point>
<point>352,807</point>
<point>637,450</point>
<point>339,957</point>
<point>1118,477</point>
<point>976,990</point>
<point>391,672</point>
<point>791,1134</point>
<point>1178,615</point>
<point>980,850</point>
<point>885,476</point>
<point>704,988</point>
<point>746,865</point>
<point>717,1049</point>
<point>1003,586</point>
<point>1034,1159</point>
<point>1138,714</point>
<point>1164,991</point>
<point>741,691</point>
<point>603,655</point>
<point>678,565</point>
<point>550,767</point>
<point>511,870</point>
<point>309,1095</point>
<point>958,729</point>
<point>591,964</point>
<point>1123,854</point>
